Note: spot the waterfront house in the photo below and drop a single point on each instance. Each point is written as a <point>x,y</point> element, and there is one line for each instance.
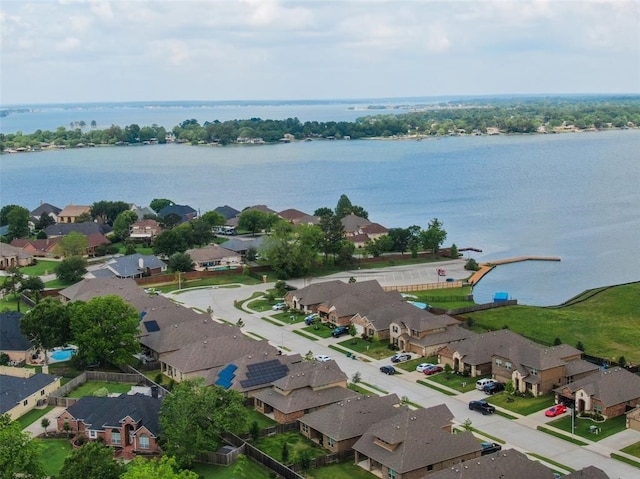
<point>46,208</point>
<point>70,213</point>
<point>340,310</point>
<point>145,231</point>
<point>214,256</point>
<point>309,298</point>
<point>131,266</point>
<point>185,212</point>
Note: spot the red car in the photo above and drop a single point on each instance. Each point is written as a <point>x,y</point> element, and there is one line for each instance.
<point>432,370</point>
<point>556,410</point>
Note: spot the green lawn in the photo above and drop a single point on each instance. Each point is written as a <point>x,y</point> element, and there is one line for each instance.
<point>88,388</point>
<point>374,349</point>
<point>41,268</point>
<point>253,471</point>
<point>345,470</point>
<point>290,317</point>
<point>64,369</point>
<point>33,416</point>
<point>607,428</point>
<point>459,383</point>
<point>53,453</point>
<point>210,281</point>
<point>633,449</point>
<point>56,283</point>
<point>262,420</point>
<point>411,365</point>
<point>606,323</point>
<point>435,386</point>
<point>260,305</point>
<point>296,442</point>
<point>522,405</point>
<point>449,298</point>
<point>322,330</point>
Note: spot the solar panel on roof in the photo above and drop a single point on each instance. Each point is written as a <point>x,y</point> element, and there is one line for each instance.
<point>151,326</point>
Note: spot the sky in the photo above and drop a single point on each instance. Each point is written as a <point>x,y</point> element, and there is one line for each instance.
<point>69,51</point>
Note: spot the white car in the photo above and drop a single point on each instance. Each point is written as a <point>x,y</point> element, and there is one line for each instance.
<point>322,358</point>
<point>422,366</point>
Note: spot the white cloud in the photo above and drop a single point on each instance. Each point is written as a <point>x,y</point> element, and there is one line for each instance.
<point>67,44</point>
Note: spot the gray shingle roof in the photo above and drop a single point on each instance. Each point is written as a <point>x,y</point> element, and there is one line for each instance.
<point>45,208</point>
<point>242,244</point>
<point>590,472</point>
<point>317,293</point>
<point>87,228</point>
<point>311,373</point>
<point>304,398</point>
<point>129,266</point>
<point>99,413</point>
<point>419,438</point>
<point>227,211</point>
<point>353,302</point>
<point>212,252</point>
<point>13,390</point>
<point>352,223</point>
<point>508,463</point>
<point>611,386</point>
<point>11,338</point>
<point>88,289</point>
<point>351,418</point>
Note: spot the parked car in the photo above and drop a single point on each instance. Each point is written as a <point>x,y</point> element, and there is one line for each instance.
<point>422,366</point>
<point>490,447</point>
<point>481,383</point>
<point>398,358</point>
<point>493,388</point>
<point>309,320</point>
<point>390,370</point>
<point>556,410</point>
<point>482,406</point>
<point>433,370</point>
<point>279,306</point>
<point>322,358</point>
<point>339,331</point>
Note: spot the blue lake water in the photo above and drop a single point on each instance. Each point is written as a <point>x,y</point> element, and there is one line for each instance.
<point>576,196</point>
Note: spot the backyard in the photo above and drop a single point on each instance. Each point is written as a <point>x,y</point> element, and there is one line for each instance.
<point>52,454</point>
<point>253,470</point>
<point>296,443</point>
<point>90,387</point>
<point>344,470</point>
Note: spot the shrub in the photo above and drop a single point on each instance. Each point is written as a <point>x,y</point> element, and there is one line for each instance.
<point>471,265</point>
<point>393,347</point>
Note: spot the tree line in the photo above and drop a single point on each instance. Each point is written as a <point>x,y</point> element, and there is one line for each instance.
<point>520,115</point>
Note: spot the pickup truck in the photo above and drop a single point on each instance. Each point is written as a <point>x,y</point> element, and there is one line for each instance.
<point>482,406</point>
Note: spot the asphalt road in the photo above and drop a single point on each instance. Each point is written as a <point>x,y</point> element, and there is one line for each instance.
<point>520,434</point>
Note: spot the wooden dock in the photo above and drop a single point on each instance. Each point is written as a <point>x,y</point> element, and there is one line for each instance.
<point>488,266</point>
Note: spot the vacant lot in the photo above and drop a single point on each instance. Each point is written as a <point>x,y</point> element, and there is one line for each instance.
<point>606,322</point>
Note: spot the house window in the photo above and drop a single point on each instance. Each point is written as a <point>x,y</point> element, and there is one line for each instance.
<point>371,332</point>
<point>93,434</point>
<point>508,365</point>
<point>42,393</point>
<point>25,402</point>
<point>331,442</point>
<point>115,437</point>
<point>258,403</point>
<point>143,442</point>
<point>597,408</point>
<point>534,371</point>
<point>498,362</point>
<point>395,329</point>
<point>391,474</point>
<point>305,428</point>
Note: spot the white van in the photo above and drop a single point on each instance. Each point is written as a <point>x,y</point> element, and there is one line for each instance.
<point>481,383</point>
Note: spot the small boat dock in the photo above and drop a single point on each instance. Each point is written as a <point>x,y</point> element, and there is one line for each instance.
<point>488,266</point>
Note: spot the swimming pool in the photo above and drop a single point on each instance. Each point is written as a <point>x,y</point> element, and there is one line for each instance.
<point>63,354</point>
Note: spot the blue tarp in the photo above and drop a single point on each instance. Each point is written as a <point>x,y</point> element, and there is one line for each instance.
<point>500,297</point>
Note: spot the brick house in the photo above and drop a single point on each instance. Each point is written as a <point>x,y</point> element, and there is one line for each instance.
<point>340,310</point>
<point>610,392</point>
<point>126,422</point>
<point>413,443</point>
<point>145,231</point>
<point>337,427</point>
<point>11,256</point>
<point>308,387</point>
<point>309,298</point>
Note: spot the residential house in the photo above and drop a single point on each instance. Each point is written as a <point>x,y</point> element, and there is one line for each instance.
<point>185,212</point>
<point>90,288</point>
<point>337,427</point>
<point>341,309</point>
<point>507,356</point>
<point>12,342</point>
<point>214,256</point>
<point>48,247</point>
<point>308,387</point>
<point>353,224</point>
<point>227,211</point>
<point>131,266</point>
<point>242,244</point>
<point>633,419</point>
<point>262,208</point>
<point>126,422</point>
<point>87,228</point>
<point>70,213</point>
<point>12,256</point>
<point>421,332</point>
<point>145,231</point>
<point>413,443</point>
<point>20,394</point>
<point>297,217</point>
<point>499,465</point>
<point>309,298</point>
<point>609,392</point>
<point>52,211</point>
<point>142,211</point>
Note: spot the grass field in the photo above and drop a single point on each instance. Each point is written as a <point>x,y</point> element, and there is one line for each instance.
<point>53,453</point>
<point>41,268</point>
<point>253,470</point>
<point>345,470</point>
<point>459,383</point>
<point>633,449</point>
<point>33,416</point>
<point>606,322</point>
<point>522,405</point>
<point>88,388</point>
<point>296,443</point>
<point>374,349</point>
<point>605,429</point>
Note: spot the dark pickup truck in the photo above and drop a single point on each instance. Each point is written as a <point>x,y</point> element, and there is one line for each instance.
<point>482,406</point>
<point>490,447</point>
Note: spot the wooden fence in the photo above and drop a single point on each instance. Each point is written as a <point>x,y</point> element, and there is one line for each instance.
<point>407,288</point>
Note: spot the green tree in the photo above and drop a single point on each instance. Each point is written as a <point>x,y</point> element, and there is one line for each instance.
<point>45,423</point>
<point>71,270</point>
<point>171,220</point>
<point>72,244</point>
<point>181,262</point>
<point>106,212</point>
<point>213,218</point>
<point>4,214</point>
<point>168,243</point>
<point>344,207</point>
<point>47,325</point>
<point>44,221</point>
<point>332,234</point>
<point>18,222</point>
<point>123,222</point>
<point>284,453</point>
<point>400,239</point>
<point>240,467</point>
<point>433,236</point>
<point>471,265</point>
<point>158,203</point>
<point>164,468</point>
<point>33,286</point>
<point>253,221</point>
<point>193,416</point>
<point>454,251</point>
<point>11,282</point>
<point>19,454</point>
<point>105,329</point>
<point>92,460</point>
